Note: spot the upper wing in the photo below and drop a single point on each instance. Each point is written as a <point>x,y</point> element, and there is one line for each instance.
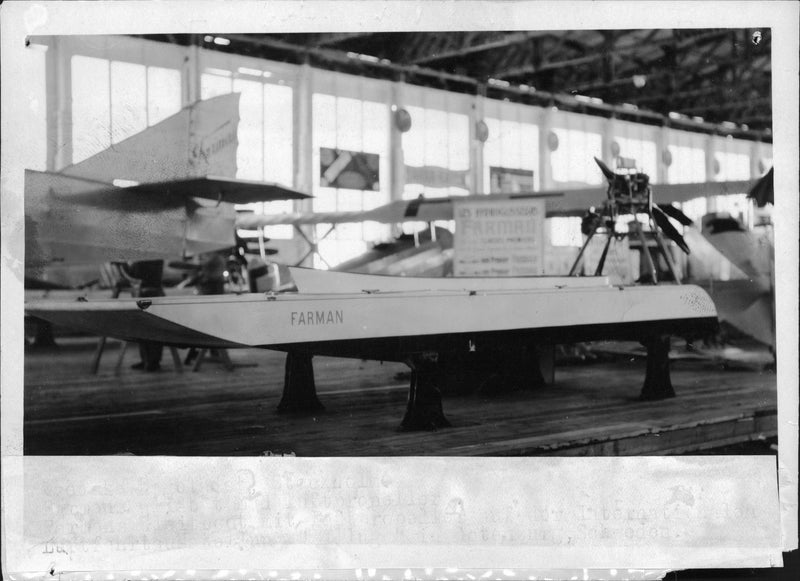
<point>173,194</point>
<point>222,189</point>
<point>567,202</point>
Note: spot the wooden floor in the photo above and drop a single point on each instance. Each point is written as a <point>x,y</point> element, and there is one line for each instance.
<point>591,410</point>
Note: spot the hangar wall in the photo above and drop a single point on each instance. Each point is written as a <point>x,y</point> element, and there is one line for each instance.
<point>99,90</point>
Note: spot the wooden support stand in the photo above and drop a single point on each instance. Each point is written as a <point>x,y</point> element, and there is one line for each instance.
<point>299,389</point>
<point>221,354</point>
<point>657,382</point>
<point>44,336</point>
<point>101,346</point>
<point>424,409</point>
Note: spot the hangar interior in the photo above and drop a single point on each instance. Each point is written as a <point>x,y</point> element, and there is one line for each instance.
<point>694,119</point>
<point>438,114</point>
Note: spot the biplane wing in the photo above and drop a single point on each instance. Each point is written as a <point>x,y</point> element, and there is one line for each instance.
<point>166,195</point>
<point>77,220</point>
<point>174,206</point>
<point>568,202</point>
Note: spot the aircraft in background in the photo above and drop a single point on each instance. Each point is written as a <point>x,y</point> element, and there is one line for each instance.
<point>428,252</point>
<point>150,196</point>
<point>74,221</point>
<point>745,302</point>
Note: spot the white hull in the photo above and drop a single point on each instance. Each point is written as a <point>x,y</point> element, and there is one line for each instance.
<point>309,280</point>
<point>257,320</point>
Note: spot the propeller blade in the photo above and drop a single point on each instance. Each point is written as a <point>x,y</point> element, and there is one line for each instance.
<point>610,175</point>
<point>676,214</point>
<point>667,228</point>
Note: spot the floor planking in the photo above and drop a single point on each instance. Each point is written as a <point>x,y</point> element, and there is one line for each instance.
<point>590,410</point>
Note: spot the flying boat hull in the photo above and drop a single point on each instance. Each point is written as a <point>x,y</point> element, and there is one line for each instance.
<point>391,325</point>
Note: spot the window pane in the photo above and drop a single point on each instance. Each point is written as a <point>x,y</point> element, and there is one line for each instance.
<point>733,166</point>
<point>348,124</point>
<point>688,165</point>
<point>358,126</point>
<point>324,116</point>
<point>643,152</point>
<point>375,136</point>
<point>492,148</point>
<point>128,100</point>
<point>91,115</point>
<point>278,135</point>
<point>573,161</point>
<point>436,142</point>
<point>249,156</point>
<point>163,93</point>
<point>214,86</point>
<point>458,141</point>
<point>414,139</point>
<point>511,145</point>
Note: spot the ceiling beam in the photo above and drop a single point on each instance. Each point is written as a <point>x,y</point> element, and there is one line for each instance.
<point>470,43</point>
<point>727,105</point>
<point>594,56</point>
<point>331,38</point>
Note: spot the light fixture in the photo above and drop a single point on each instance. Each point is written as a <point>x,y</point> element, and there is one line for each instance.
<point>249,71</point>
<point>221,41</point>
<point>402,120</point>
<point>481,131</point>
<point>120,183</point>
<point>639,81</point>
<point>552,141</point>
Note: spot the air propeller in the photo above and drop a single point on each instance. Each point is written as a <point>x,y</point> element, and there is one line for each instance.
<point>630,194</point>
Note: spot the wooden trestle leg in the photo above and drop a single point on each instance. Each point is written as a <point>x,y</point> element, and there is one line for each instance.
<point>424,410</point>
<point>299,389</point>
<point>657,383</point>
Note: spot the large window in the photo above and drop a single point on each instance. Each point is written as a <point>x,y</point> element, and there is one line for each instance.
<point>113,100</point>
<point>265,133</point>
<point>572,160</point>
<point>436,153</point>
<point>732,166</point>
<point>687,164</point>
<point>642,153</point>
<point>512,145</point>
<point>345,127</point>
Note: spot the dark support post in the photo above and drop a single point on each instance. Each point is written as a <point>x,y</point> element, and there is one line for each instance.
<point>657,383</point>
<point>44,335</point>
<point>546,357</point>
<point>299,389</point>
<point>497,370</point>
<point>424,410</point>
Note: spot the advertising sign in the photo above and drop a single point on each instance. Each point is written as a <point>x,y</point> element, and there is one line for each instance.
<point>499,237</point>
<point>352,170</point>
